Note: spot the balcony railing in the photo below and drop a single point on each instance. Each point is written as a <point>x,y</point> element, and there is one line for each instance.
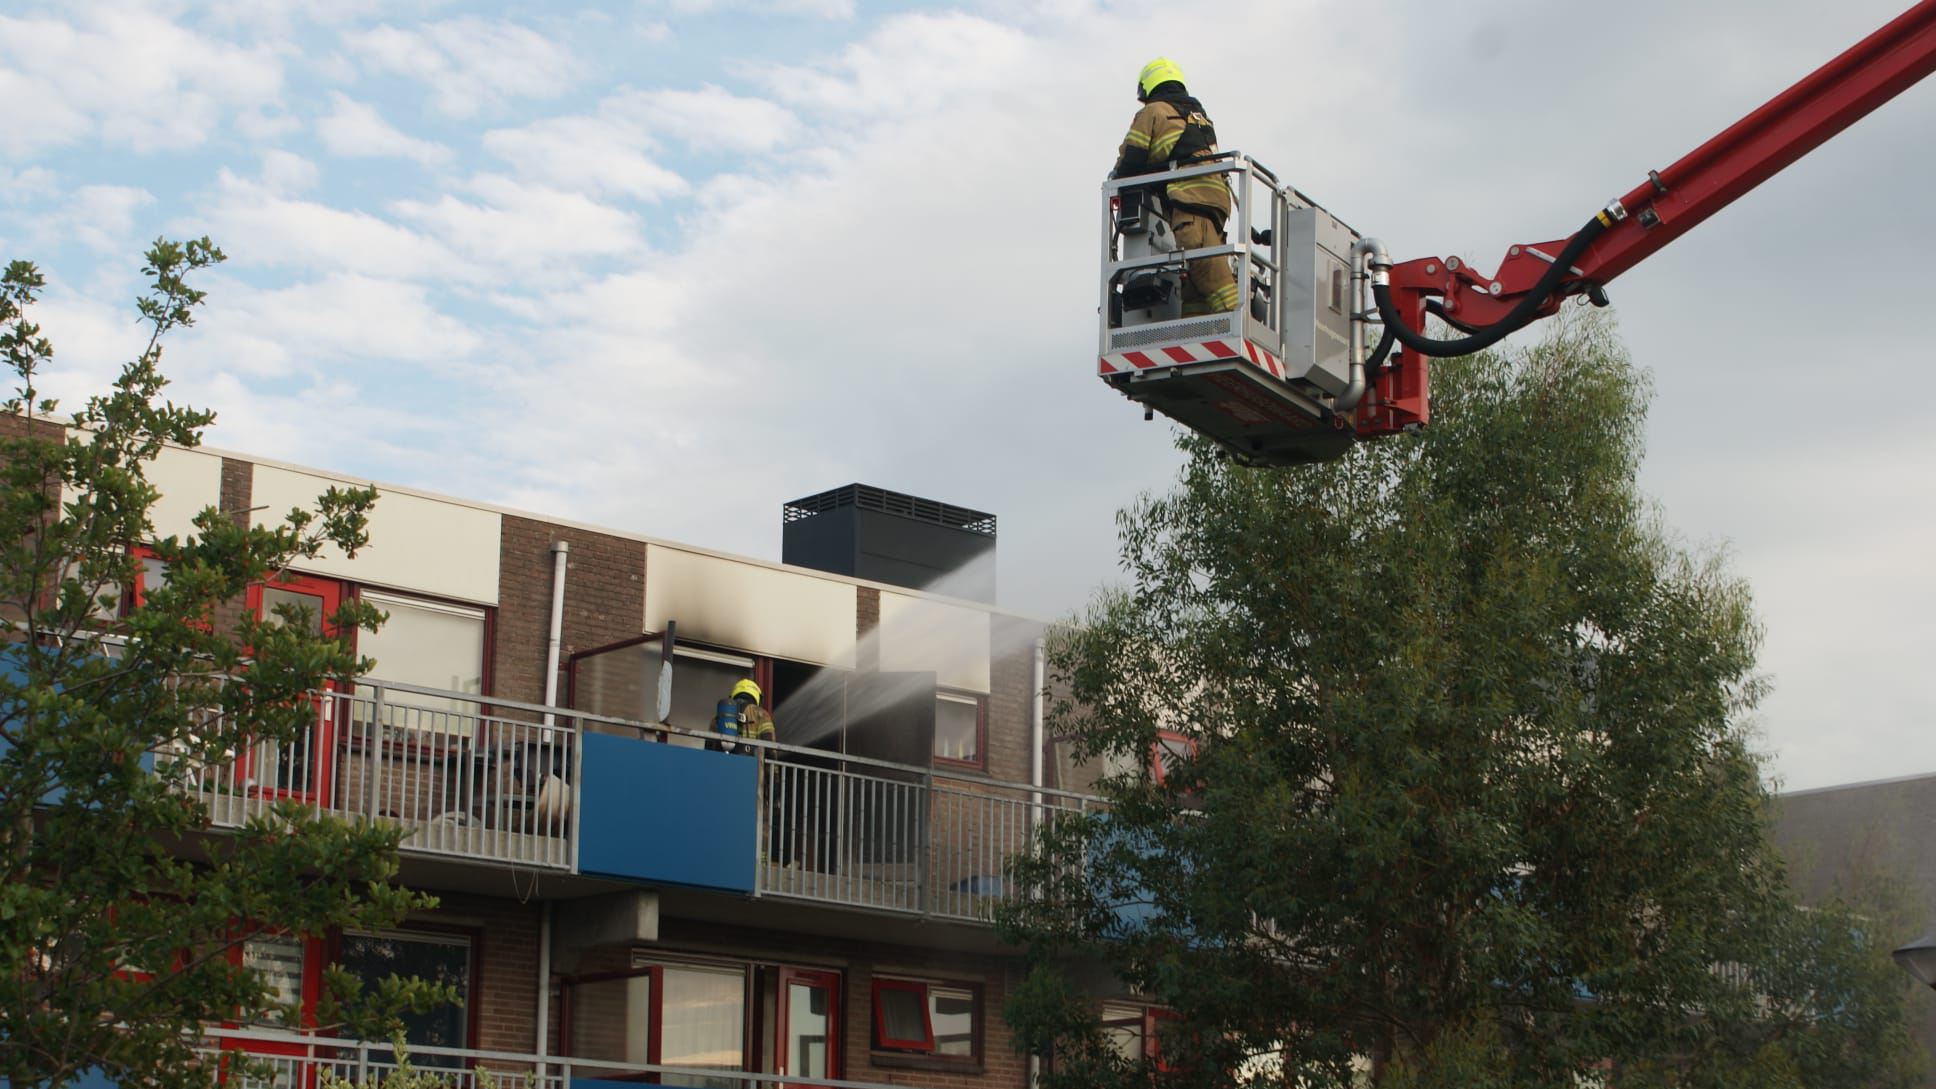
<point>489,781</point>
<point>498,781</point>
<point>284,1060</point>
<point>872,834</point>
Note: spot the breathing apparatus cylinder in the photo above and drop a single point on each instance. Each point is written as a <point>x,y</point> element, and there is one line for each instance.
<point>726,722</point>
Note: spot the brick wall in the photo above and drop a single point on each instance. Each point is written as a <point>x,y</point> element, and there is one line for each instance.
<point>238,490</point>
<point>505,987</point>
<point>1011,698</point>
<point>867,621</point>
<point>604,600</point>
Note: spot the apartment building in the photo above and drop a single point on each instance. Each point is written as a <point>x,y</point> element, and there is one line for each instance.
<point>621,898</point>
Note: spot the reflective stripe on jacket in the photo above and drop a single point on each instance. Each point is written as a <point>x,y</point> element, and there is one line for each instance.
<point>1174,129</point>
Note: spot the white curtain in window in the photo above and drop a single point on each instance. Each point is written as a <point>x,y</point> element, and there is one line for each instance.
<point>957,721</point>
<point>703,1017</point>
<point>430,644</point>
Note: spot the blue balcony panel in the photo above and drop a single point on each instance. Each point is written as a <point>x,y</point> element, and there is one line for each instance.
<point>665,814</point>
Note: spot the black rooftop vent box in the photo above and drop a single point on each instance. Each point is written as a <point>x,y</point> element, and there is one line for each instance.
<point>890,537</point>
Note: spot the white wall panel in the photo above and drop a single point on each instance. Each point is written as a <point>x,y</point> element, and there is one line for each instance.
<point>952,640</point>
<point>431,546</point>
<point>190,482</point>
<point>783,614</point>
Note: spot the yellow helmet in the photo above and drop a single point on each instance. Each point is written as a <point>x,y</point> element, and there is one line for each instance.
<point>1154,75</point>
<point>746,688</point>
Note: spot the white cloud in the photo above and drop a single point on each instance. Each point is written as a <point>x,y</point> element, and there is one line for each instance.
<point>342,316</point>
<point>470,65</point>
<point>264,227</point>
<point>33,182</point>
<point>356,130</point>
<point>600,154</point>
<point>124,75</point>
<point>822,9</point>
<point>518,228</point>
<point>286,173</point>
<point>709,118</point>
<point>101,217</point>
<point>911,65</point>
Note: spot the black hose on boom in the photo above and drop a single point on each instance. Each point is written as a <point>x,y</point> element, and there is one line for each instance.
<point>1518,318</point>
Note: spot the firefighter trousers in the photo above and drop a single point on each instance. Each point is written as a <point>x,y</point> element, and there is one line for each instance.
<point>1210,288</point>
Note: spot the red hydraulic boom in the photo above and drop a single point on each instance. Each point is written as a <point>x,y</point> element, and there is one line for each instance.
<point>1533,279</point>
<point>1288,376</point>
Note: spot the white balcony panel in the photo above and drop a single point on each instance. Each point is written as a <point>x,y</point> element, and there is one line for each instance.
<point>430,546</point>
<point>190,482</point>
<point>730,603</point>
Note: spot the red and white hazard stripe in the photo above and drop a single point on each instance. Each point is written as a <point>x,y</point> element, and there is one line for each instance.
<point>1202,351</point>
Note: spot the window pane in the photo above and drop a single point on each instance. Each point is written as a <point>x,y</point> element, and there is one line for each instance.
<point>952,1012</point>
<point>807,1044</point>
<point>311,606</point>
<point>436,958</point>
<point>957,729</point>
<point>901,1014</point>
<point>429,644</point>
<point>1123,1026</point>
<point>1171,754</point>
<point>703,1017</point>
<point>279,962</point>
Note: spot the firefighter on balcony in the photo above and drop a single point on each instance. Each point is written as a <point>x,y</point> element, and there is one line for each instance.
<point>1171,130</point>
<point>740,715</point>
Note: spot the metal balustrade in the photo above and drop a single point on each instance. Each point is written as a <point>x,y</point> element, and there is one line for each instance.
<point>490,781</point>
<point>287,1060</point>
<point>871,834</point>
<point>496,781</point>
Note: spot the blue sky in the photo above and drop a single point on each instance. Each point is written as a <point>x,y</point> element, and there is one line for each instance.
<point>662,266</point>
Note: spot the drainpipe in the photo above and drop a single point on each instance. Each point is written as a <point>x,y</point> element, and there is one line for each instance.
<point>1034,1065</point>
<point>544,991</point>
<point>1035,732</point>
<point>559,551</point>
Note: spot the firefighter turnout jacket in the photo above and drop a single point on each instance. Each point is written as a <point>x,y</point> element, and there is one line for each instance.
<point>1172,128</point>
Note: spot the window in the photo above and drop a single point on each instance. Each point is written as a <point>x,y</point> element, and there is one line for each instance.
<point>1170,752</point>
<point>432,645</point>
<point>958,729</point>
<point>431,955</point>
<point>702,1017</point>
<point>279,960</point>
<point>1132,1031</point>
<point>622,680</point>
<point>927,1018</point>
<point>1166,754</point>
<point>115,600</point>
<point>710,1018</point>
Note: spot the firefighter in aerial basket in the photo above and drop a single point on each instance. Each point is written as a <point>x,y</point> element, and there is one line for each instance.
<point>1170,131</point>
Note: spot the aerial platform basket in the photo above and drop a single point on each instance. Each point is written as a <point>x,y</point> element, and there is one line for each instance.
<point>1272,382</point>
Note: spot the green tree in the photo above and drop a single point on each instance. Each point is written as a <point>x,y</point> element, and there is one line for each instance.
<point>115,946</point>
<point>1472,801</point>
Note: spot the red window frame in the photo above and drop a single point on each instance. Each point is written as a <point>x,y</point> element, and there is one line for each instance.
<point>135,595</point>
<point>320,775</point>
<point>331,591</point>
<point>1144,1021</point>
<point>923,992</point>
<point>925,1043</point>
<point>1156,751</point>
<point>826,981</point>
